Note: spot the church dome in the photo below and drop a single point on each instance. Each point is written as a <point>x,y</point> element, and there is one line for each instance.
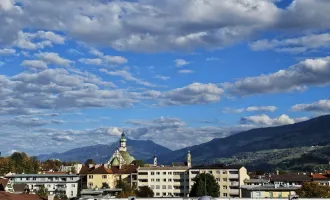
<point>115,162</point>
<point>127,157</point>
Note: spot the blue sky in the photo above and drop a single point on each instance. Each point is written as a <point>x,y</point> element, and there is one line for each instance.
<point>179,73</point>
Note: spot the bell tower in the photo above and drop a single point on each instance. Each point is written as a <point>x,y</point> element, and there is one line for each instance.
<point>123,143</point>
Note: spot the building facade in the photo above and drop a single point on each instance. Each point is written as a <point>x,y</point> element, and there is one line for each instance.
<point>167,181</point>
<point>55,183</point>
<point>6,185</point>
<point>268,191</point>
<point>230,179</point>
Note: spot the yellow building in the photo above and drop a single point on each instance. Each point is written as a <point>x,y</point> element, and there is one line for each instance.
<point>102,174</point>
<point>268,191</point>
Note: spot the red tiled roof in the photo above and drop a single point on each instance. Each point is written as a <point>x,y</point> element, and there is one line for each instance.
<point>125,169</point>
<point>3,182</point>
<point>319,176</point>
<point>85,170</point>
<point>9,196</point>
<point>101,170</point>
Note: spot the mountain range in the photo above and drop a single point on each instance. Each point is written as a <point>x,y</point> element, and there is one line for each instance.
<point>140,149</point>
<point>289,146</point>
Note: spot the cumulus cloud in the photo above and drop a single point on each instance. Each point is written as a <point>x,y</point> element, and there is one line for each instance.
<point>310,72</point>
<point>6,52</point>
<point>251,109</point>
<point>196,93</point>
<point>54,58</point>
<point>91,61</point>
<point>293,45</point>
<point>322,106</point>
<point>181,62</point>
<point>127,76</point>
<point>31,41</point>
<point>265,120</point>
<point>34,64</point>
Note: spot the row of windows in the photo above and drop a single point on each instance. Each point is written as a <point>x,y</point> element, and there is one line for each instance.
<point>45,179</point>
<point>163,173</point>
<point>167,187</point>
<point>170,194</point>
<point>103,176</point>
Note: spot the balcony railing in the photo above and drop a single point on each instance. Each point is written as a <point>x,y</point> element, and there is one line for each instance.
<point>234,183</point>
<point>234,191</point>
<point>233,176</point>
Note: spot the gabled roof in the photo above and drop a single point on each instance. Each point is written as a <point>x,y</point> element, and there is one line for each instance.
<point>125,169</point>
<point>319,177</point>
<point>290,177</point>
<point>3,183</point>
<point>9,196</point>
<point>85,170</point>
<point>101,170</point>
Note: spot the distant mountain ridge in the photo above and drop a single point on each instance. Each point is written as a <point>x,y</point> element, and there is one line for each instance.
<point>140,149</point>
<point>308,133</point>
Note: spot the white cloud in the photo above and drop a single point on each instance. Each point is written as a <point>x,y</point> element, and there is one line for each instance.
<point>91,61</point>
<point>212,59</point>
<point>185,71</point>
<point>5,52</point>
<point>75,52</point>
<point>196,93</point>
<point>54,58</point>
<point>114,59</point>
<point>164,78</point>
<point>293,45</point>
<point>127,76</point>
<point>310,72</point>
<point>261,108</point>
<point>322,106</point>
<point>181,62</point>
<point>265,120</point>
<point>53,37</point>
<point>34,64</point>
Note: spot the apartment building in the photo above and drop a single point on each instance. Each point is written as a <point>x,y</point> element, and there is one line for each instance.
<point>165,181</point>
<point>55,183</point>
<point>230,179</point>
<point>268,191</point>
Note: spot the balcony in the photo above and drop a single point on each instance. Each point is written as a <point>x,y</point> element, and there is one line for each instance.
<point>234,191</point>
<point>233,176</point>
<point>234,184</point>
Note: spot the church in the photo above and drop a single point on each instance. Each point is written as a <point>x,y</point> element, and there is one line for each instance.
<point>121,156</point>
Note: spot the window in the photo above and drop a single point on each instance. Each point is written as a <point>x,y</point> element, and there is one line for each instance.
<point>157,187</point>
<point>164,193</point>
<point>224,187</point>
<point>34,178</point>
<point>218,172</point>
<point>164,173</point>
<point>157,180</point>
<point>27,179</point>
<point>225,179</point>
<point>90,185</point>
<point>225,194</point>
<point>71,178</point>
<point>152,173</point>
<point>152,187</point>
<point>157,194</point>
<point>71,193</point>
<point>143,173</point>
<point>90,176</point>
<point>164,179</point>
<point>169,173</point>
<point>169,187</point>
<point>49,186</point>
<point>73,185</point>
<point>104,176</point>
<point>152,180</point>
<point>164,187</point>
<point>224,172</point>
<point>195,172</point>
<point>218,179</point>
<point>158,173</point>
<point>169,180</point>
<point>210,172</point>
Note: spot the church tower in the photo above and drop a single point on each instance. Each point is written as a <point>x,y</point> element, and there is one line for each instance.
<point>189,159</point>
<point>123,143</point>
<point>155,161</point>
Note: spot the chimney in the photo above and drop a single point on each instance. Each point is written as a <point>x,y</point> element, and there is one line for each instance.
<point>51,197</point>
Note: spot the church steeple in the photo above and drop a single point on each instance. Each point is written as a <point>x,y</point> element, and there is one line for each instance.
<point>189,159</point>
<point>123,142</point>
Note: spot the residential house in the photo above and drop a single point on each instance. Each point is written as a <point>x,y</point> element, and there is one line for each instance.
<point>229,178</point>
<point>66,184</point>
<point>268,191</point>
<point>6,185</point>
<point>282,180</point>
<point>76,168</point>
<point>321,179</point>
<point>165,181</point>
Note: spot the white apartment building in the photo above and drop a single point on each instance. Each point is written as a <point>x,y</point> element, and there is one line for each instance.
<point>55,183</point>
<point>76,167</point>
<point>169,181</point>
<point>230,179</point>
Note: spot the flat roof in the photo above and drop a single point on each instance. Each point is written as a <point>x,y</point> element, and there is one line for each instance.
<point>164,168</point>
<point>255,180</point>
<point>269,188</point>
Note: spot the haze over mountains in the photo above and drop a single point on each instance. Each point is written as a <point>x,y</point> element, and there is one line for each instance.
<point>300,139</point>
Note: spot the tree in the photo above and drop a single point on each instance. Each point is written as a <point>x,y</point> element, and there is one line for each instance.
<point>105,186</point>
<point>313,190</point>
<point>144,191</point>
<point>73,170</point>
<point>127,190</point>
<point>89,161</point>
<point>62,196</point>
<point>202,182</point>
<point>42,192</point>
